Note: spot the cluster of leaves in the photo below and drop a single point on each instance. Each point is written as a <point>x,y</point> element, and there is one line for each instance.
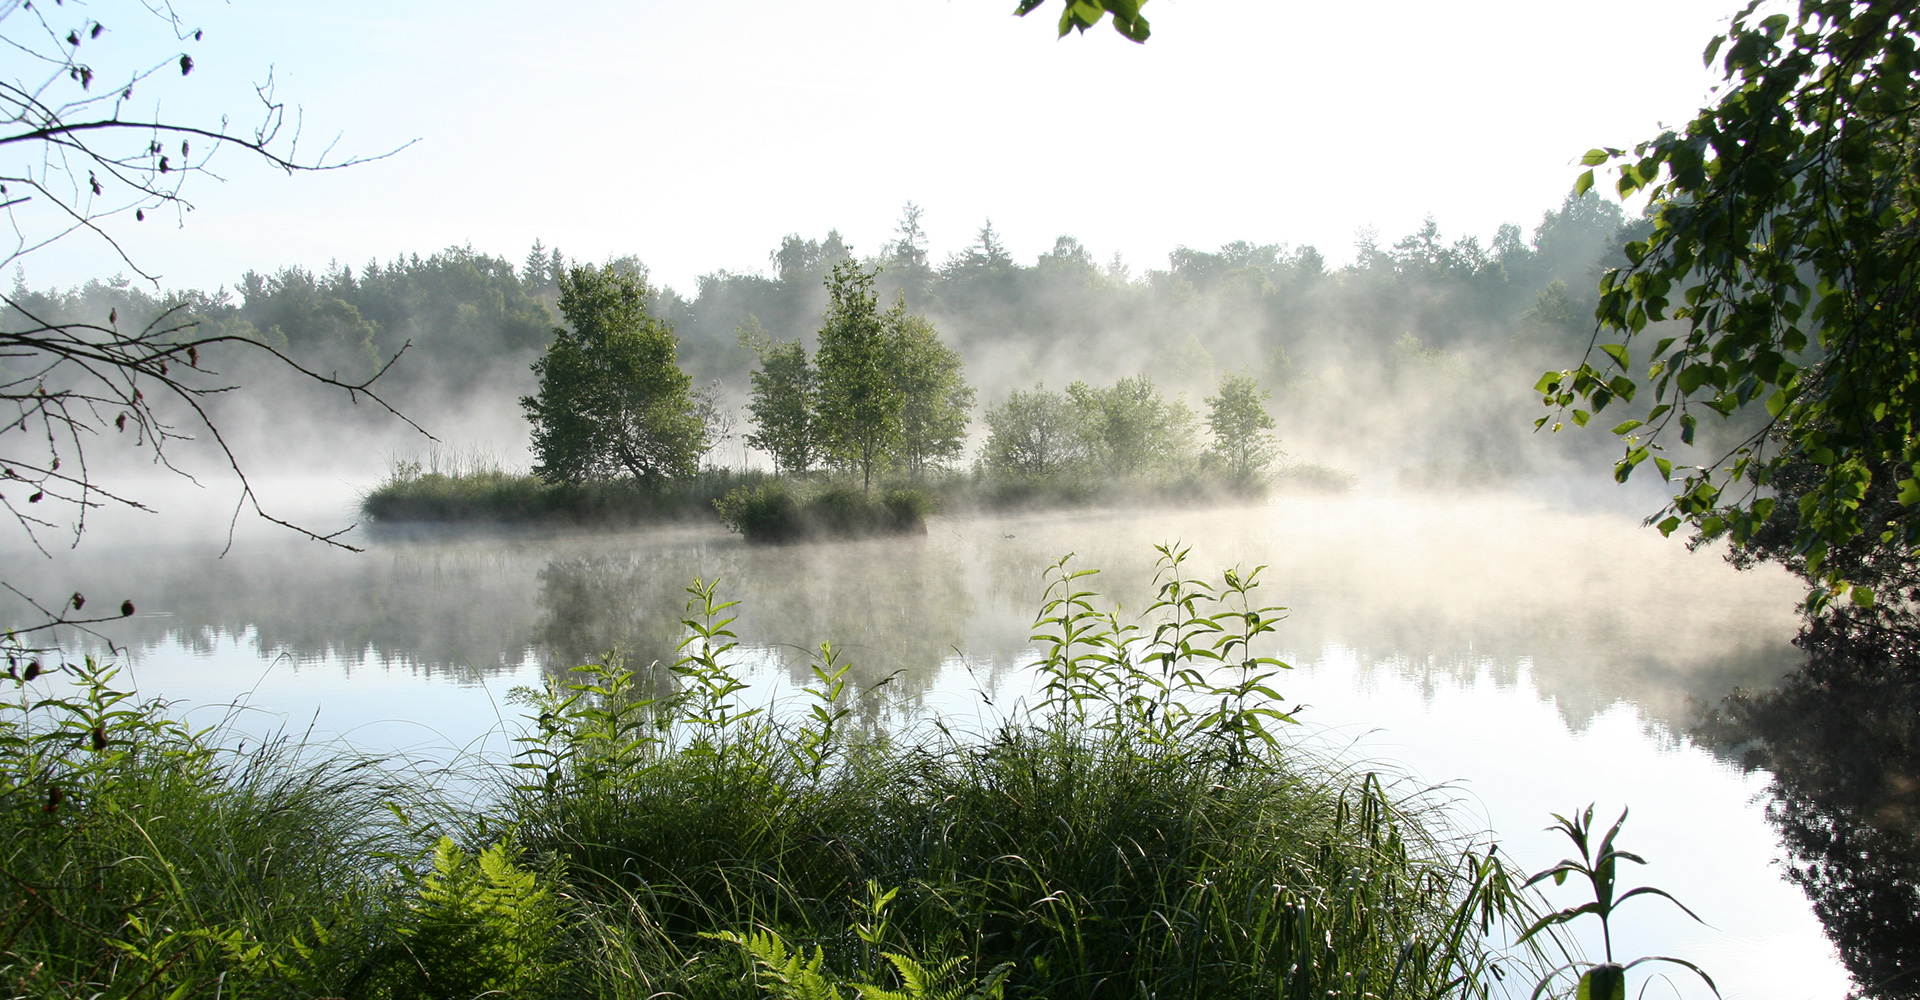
<point>1157,686</point>
<point>883,389</point>
<point>1127,431</point>
<point>1599,865</point>
<point>613,400</point>
<point>1779,274</point>
<point>1079,15</point>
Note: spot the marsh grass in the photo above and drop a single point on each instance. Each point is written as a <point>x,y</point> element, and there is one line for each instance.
<point>450,486</point>
<point>141,857</point>
<point>1140,829</point>
<point>475,488</point>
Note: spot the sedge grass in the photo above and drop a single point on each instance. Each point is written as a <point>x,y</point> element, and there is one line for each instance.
<point>1139,832</point>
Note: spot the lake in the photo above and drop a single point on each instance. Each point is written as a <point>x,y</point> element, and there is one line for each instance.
<point>1519,655</point>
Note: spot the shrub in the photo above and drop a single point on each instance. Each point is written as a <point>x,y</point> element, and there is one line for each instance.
<point>777,512</point>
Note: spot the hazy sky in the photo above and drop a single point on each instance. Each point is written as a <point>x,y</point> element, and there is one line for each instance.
<point>695,133</point>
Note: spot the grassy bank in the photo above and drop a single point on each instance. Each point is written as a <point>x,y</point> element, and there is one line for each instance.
<point>768,508</point>
<point>478,491</point>
<point>1137,831</point>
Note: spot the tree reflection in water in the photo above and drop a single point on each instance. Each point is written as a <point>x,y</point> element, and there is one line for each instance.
<point>1842,740</point>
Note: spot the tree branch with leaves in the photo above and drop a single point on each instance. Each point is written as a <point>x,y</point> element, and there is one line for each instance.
<point>1785,254</point>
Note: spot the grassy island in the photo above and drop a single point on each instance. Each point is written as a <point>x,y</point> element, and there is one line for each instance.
<point>864,434</point>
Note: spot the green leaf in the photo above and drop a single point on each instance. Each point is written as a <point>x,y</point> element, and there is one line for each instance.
<point>1604,982</point>
<point>1628,426</point>
<point>1862,596</point>
<point>1583,183</point>
<point>1618,352</point>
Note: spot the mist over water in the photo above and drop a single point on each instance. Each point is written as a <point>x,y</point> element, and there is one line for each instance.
<point>1537,654</point>
<point>1485,612</point>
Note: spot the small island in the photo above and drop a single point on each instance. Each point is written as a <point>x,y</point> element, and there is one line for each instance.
<point>864,436</point>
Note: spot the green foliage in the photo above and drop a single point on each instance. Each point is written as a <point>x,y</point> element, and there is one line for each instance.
<point>143,859</point>
<point>1782,248</point>
<point>935,399</point>
<point>1155,688</point>
<point>1129,430</point>
<point>477,926</point>
<point>1240,424</point>
<point>1080,15</point>
<point>858,403</point>
<point>1139,825</point>
<point>782,405</point>
<point>1599,864</point>
<point>779,511</point>
<point>612,399</point>
<point>788,973</point>
<point>1033,434</point>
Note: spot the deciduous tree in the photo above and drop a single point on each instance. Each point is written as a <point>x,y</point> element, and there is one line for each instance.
<point>612,399</point>
<point>1130,429</point>
<point>935,400</point>
<point>1034,434</point>
<point>858,403</point>
<point>782,407</point>
<point>1785,245</point>
<point>1241,424</point>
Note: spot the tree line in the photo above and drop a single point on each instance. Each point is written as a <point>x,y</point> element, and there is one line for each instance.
<point>1420,312</point>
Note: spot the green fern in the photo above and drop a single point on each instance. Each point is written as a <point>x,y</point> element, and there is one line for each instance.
<point>787,973</point>
<point>480,925</point>
<point>920,982</point>
<point>783,972</point>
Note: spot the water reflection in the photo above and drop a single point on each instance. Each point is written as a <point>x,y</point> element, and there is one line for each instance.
<point>1842,741</point>
<point>1591,608</point>
<point>1548,654</point>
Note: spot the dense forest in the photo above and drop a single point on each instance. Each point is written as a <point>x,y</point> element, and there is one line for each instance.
<point>1415,358</point>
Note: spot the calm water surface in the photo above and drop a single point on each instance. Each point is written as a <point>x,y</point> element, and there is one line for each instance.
<point>1528,658</point>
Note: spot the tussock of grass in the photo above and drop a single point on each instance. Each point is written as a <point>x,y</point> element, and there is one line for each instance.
<point>1140,831</point>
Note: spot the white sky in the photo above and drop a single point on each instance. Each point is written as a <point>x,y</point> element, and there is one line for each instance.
<point>695,133</point>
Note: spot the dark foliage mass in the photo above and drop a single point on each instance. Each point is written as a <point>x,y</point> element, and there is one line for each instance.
<point>1842,739</point>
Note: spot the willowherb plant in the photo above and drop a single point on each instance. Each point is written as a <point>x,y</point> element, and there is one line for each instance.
<point>1160,683</point>
<point>1599,864</point>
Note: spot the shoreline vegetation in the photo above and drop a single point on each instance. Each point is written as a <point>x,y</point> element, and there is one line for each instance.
<point>1141,828</point>
<point>477,491</point>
